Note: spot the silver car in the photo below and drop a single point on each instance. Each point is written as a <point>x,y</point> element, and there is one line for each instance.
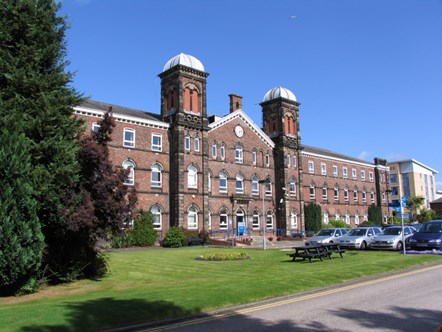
<point>326,235</point>
<point>391,238</point>
<point>359,238</point>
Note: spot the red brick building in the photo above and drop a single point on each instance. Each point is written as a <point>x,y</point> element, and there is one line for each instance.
<point>227,174</point>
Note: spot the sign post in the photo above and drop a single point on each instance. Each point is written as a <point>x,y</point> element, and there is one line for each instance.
<point>403,204</point>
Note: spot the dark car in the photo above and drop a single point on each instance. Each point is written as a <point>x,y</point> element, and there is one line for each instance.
<point>428,237</point>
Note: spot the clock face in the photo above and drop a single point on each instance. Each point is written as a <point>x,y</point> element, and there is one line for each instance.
<point>239,131</point>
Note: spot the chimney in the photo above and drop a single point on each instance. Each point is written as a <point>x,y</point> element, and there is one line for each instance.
<point>235,103</point>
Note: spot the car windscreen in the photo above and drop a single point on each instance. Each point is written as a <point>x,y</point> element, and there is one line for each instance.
<point>357,232</point>
<point>326,232</point>
<point>431,228</point>
<point>392,231</point>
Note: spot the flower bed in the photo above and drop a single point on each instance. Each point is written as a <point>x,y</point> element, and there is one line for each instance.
<point>220,256</point>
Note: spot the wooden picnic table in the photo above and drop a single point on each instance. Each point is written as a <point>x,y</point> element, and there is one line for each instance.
<point>316,251</point>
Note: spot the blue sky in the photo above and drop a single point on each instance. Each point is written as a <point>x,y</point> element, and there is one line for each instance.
<point>368,73</point>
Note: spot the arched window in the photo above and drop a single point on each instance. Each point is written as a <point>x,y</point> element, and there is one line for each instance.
<point>214,150</point>
<point>255,185</point>
<point>256,222</point>
<point>346,194</point>
<point>294,219</point>
<point>312,191</point>
<point>157,218</point>
<point>196,143</point>
<point>254,156</point>
<point>130,179</point>
<point>356,219</point>
<point>222,182</point>
<point>187,142</point>
<point>347,218</point>
<point>222,152</point>
<point>209,182</point>
<point>292,187</point>
<point>268,187</point>
<point>192,177</point>
<point>239,184</point>
<point>326,219</point>
<point>336,193</point>
<point>192,218</point>
<point>324,192</point>
<point>269,220</point>
<point>156,178</point>
<point>210,220</point>
<point>223,219</point>
<point>238,154</point>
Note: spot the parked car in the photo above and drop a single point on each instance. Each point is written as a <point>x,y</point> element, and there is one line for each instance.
<point>326,235</point>
<point>428,237</point>
<point>391,238</point>
<point>359,238</point>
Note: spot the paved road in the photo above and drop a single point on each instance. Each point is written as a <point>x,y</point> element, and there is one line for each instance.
<point>411,301</point>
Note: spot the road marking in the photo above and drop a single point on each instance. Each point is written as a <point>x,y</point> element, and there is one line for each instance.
<point>289,301</point>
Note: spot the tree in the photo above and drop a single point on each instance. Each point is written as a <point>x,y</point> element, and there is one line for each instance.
<point>36,100</point>
<point>99,205</point>
<point>21,239</point>
<point>313,217</point>
<point>414,203</point>
<point>375,214</point>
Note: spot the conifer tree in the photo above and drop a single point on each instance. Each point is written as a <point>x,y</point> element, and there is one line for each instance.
<point>36,99</point>
<point>21,239</point>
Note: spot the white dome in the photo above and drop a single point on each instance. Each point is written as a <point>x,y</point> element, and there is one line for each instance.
<point>184,60</point>
<point>279,92</point>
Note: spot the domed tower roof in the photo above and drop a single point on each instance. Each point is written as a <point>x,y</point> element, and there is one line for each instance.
<point>184,60</point>
<point>279,92</point>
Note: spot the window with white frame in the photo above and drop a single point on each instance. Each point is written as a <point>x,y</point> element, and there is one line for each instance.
<point>337,216</point>
<point>95,127</point>
<point>370,176</point>
<point>222,152</point>
<point>129,138</point>
<point>157,144</point>
<point>325,217</point>
<point>347,218</point>
<point>255,221</point>
<point>254,157</point>
<point>239,184</point>
<point>210,219</point>
<point>192,218</point>
<point>292,187</point>
<point>288,160</point>
<point>223,219</point>
<point>157,218</point>
<point>223,182</point>
<point>335,170</point>
<point>364,196</point>
<point>383,197</point>
<point>192,177</point>
<point>372,196</point>
<point>196,143</point>
<point>130,179</point>
<point>356,219</point>
<point>268,186</point>
<point>363,175</point>
<point>324,192</point>
<point>312,190</point>
<point>238,154</point>
<point>267,160</point>
<point>355,195</point>
<point>354,173</point>
<point>255,185</point>
<point>187,143</point>
<point>156,179</point>
<point>269,220</point>
<point>311,166</point>
<point>323,169</point>
<point>294,161</point>
<point>214,150</point>
<point>294,219</point>
<point>344,172</point>
<point>336,193</point>
<point>346,198</point>
<point>209,182</point>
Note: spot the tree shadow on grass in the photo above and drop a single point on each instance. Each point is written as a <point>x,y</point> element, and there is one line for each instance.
<point>110,313</point>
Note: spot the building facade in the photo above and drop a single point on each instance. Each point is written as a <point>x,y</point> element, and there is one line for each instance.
<point>410,178</point>
<point>227,174</point>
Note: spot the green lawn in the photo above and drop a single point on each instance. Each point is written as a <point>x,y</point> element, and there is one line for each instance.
<point>153,284</point>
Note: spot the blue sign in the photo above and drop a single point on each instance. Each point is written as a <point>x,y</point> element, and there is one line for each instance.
<point>394,204</point>
<point>398,209</point>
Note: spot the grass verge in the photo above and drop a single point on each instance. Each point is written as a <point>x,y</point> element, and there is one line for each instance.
<point>148,285</point>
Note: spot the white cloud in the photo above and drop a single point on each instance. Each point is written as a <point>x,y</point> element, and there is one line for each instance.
<point>365,155</point>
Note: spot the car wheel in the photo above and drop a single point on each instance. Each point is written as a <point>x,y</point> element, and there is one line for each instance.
<point>363,245</point>
<point>399,246</point>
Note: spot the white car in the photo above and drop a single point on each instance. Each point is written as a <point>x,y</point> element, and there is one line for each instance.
<point>326,235</point>
<point>359,238</point>
<point>391,238</point>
